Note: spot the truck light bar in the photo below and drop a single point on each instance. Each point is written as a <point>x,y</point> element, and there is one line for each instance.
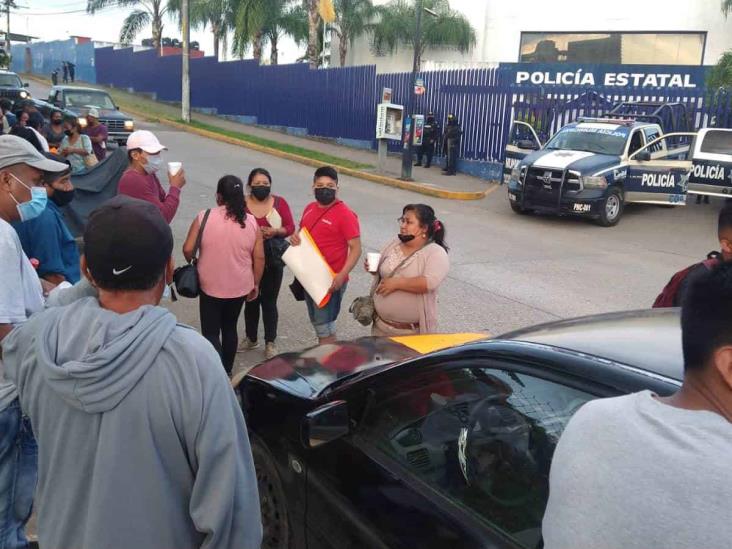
<point>607,119</point>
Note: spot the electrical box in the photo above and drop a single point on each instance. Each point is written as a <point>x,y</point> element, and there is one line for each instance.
<point>389,121</point>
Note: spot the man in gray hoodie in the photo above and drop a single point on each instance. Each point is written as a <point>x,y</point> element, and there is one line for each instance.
<point>141,440</point>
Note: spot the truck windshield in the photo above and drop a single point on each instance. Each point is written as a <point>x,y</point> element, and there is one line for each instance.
<point>89,99</point>
<point>591,138</point>
<point>10,81</point>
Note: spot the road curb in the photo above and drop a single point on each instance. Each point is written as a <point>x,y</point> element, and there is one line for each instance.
<point>422,188</point>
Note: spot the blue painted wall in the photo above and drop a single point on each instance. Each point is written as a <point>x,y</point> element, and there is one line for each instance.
<point>47,56</point>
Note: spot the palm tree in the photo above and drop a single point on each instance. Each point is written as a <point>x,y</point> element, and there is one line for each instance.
<point>215,14</point>
<point>148,12</point>
<point>291,21</point>
<point>726,7</point>
<point>313,51</point>
<point>353,18</point>
<point>249,20</point>
<point>447,29</point>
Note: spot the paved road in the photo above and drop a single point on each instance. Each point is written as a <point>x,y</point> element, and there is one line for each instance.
<point>507,271</point>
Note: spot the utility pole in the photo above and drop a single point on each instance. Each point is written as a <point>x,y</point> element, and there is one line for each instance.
<point>7,27</point>
<point>407,149</point>
<point>185,99</point>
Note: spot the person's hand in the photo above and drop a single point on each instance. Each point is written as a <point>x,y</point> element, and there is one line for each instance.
<point>47,286</point>
<point>254,294</point>
<point>338,282</point>
<point>63,152</point>
<point>387,286</point>
<point>269,232</point>
<point>366,267</point>
<point>295,239</point>
<point>178,180</point>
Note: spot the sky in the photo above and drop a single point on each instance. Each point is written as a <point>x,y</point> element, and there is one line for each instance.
<point>60,19</point>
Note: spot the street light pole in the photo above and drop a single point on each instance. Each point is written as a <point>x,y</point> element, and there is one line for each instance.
<point>407,149</point>
<point>7,33</point>
<point>185,93</point>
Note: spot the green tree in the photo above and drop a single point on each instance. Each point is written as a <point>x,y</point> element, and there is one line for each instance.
<point>291,20</point>
<point>720,75</point>
<point>447,29</point>
<point>146,12</point>
<point>353,18</point>
<point>214,14</point>
<point>314,40</point>
<point>249,19</point>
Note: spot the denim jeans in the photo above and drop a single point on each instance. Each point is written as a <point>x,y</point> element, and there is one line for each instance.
<point>18,475</point>
<point>324,320</point>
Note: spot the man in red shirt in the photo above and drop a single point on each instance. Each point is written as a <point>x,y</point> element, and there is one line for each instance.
<point>140,181</point>
<point>335,230</point>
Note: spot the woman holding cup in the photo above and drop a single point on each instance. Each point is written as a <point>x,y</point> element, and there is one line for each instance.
<point>408,273</point>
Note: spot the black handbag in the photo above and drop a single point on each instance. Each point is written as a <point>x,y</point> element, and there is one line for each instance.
<point>298,292</point>
<point>186,277</point>
<point>273,249</point>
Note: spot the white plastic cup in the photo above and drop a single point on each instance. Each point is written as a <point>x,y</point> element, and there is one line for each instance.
<point>372,261</point>
<point>174,167</point>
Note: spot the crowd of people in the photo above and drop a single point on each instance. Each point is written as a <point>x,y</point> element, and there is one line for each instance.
<point>85,342</point>
<point>107,401</point>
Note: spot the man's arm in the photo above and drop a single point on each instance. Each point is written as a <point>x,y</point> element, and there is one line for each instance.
<point>354,254</point>
<point>224,502</point>
<point>136,187</point>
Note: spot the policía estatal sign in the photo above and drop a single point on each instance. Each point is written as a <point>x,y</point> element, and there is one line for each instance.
<point>620,76</point>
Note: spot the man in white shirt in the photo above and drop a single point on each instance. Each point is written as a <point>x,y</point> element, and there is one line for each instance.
<point>647,472</point>
<point>22,197</point>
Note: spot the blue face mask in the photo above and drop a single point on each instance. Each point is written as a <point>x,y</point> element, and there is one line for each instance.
<point>35,206</point>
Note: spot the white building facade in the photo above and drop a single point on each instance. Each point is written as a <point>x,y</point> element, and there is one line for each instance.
<point>664,32</point>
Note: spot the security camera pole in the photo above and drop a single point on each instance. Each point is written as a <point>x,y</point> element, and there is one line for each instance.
<point>185,93</point>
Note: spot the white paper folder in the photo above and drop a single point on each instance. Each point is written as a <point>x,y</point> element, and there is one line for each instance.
<point>310,268</point>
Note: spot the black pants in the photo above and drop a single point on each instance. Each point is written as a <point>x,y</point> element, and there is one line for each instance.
<point>269,291</point>
<point>451,161</point>
<point>427,150</point>
<point>218,325</point>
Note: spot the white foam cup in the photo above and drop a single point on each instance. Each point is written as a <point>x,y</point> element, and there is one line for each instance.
<point>174,167</point>
<point>372,261</point>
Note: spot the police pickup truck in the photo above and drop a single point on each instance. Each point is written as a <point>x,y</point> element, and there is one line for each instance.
<point>593,167</point>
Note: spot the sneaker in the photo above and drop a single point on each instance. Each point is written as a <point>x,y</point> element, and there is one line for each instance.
<point>270,351</point>
<point>247,345</point>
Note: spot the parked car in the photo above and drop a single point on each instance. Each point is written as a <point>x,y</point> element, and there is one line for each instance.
<point>423,442</point>
<point>76,101</point>
<point>12,87</point>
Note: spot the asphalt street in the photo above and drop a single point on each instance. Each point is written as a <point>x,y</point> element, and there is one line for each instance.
<point>507,271</point>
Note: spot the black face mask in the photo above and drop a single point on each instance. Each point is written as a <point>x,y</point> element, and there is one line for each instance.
<point>62,198</point>
<point>406,238</point>
<point>325,195</point>
<point>260,193</point>
<point>68,132</point>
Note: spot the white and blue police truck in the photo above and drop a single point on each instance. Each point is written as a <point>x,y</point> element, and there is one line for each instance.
<point>594,166</point>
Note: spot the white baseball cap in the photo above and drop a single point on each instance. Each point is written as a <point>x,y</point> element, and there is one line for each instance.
<point>93,111</point>
<point>145,140</point>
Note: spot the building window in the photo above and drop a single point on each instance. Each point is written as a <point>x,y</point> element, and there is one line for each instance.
<point>642,48</point>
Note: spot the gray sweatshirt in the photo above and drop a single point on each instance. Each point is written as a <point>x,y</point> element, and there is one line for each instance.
<point>141,441</point>
<point>634,473</point>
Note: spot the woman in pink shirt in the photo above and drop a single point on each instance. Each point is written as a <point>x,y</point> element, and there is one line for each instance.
<point>230,265</point>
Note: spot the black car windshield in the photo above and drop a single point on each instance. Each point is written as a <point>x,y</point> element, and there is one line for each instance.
<point>10,81</point>
<point>594,138</point>
<point>88,99</point>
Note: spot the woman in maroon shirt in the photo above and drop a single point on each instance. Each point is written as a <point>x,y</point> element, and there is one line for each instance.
<point>274,218</point>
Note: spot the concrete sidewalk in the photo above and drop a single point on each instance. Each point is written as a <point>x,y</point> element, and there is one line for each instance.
<point>429,181</point>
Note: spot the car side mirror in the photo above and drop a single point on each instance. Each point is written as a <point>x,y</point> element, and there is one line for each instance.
<point>527,144</point>
<point>643,156</point>
<point>26,84</point>
<point>325,424</point>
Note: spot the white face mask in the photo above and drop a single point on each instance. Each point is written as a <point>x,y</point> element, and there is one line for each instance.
<point>154,162</point>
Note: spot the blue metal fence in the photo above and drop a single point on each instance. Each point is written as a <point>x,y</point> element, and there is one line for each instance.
<point>47,56</point>
<point>341,103</point>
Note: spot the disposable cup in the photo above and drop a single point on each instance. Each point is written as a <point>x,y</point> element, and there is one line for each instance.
<point>372,261</point>
<point>174,167</point>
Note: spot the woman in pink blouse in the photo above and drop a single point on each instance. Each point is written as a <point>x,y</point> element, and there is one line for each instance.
<point>275,222</point>
<point>230,265</point>
<point>410,272</point>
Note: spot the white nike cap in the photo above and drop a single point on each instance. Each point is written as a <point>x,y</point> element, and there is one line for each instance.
<point>145,140</point>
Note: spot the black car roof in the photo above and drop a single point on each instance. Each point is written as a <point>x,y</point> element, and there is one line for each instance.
<point>648,339</point>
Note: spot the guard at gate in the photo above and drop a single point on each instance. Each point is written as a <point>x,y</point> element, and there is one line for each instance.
<point>451,144</point>
<point>430,135</point>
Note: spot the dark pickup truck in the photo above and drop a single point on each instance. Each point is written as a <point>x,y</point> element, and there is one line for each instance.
<point>11,87</point>
<point>76,101</point>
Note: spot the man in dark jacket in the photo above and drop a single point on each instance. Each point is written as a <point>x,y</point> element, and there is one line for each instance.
<point>451,144</point>
<point>430,135</point>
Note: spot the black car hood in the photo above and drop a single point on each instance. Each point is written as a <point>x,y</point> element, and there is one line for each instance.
<point>307,374</point>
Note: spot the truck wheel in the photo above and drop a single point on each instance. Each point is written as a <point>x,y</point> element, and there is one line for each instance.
<point>612,209</point>
<point>518,209</point>
<point>272,499</point>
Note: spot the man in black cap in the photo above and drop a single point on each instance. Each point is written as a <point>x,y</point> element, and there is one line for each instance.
<point>429,138</point>
<point>117,389</point>
<point>451,144</point>
<point>23,171</point>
